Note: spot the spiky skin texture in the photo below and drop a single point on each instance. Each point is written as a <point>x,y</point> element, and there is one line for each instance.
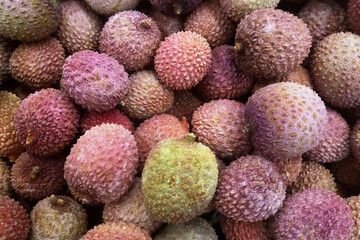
<point>83,198</point>
<point>298,75</point>
<point>354,205</point>
<point>35,178</point>
<point>224,79</point>
<point>107,150</point>
<point>197,228</point>
<point>212,23</point>
<point>5,175</point>
<point>238,9</point>
<point>46,122</point>
<point>355,140</point>
<point>95,81</point>
<point>179,179</point>
<point>168,24</point>
<point>347,172</point>
<point>25,20</point>
<point>313,176</point>
<point>39,64</point>
<point>131,209</point>
<point>91,119</point>
<point>220,125</point>
<point>110,7</point>
<point>334,69</point>
<point>58,217</point>
<point>6,49</point>
<point>176,7</point>
<point>10,146</point>
<point>130,37</point>
<point>334,145</point>
<point>270,43</point>
<point>323,18</point>
<point>15,223</point>
<point>289,168</point>
<point>182,60</point>
<point>285,120</point>
<point>79,28</point>
<point>185,104</point>
<point>155,129</point>
<point>116,231</point>
<point>313,214</point>
<point>239,195</point>
<point>353,10</point>
<point>146,96</point>
<point>235,230</point>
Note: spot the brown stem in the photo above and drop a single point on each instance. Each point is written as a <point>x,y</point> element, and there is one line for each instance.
<point>35,172</point>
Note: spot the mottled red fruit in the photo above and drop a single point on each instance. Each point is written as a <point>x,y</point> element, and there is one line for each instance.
<point>340,87</point>
<point>182,60</point>
<point>157,128</point>
<point>131,209</point>
<point>250,189</point>
<point>168,24</point>
<point>116,231</point>
<point>38,64</point>
<point>95,81</point>
<point>35,178</point>
<point>285,120</point>
<point>46,122</point>
<point>146,96</point>
<point>334,145</point>
<point>323,17</point>
<point>353,14</point>
<point>355,140</point>
<point>185,104</point>
<point>235,230</point>
<point>15,223</point>
<point>298,75</point>
<point>224,79</point>
<point>271,42</point>
<point>92,118</point>
<point>107,150</point>
<point>313,214</point>
<point>79,28</point>
<point>212,23</point>
<point>176,6</point>
<point>130,37</point>
<point>220,125</point>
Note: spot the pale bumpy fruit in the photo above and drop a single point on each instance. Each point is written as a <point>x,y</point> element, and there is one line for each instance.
<point>130,37</point>
<point>285,120</point>
<point>179,179</point>
<point>335,71</point>
<point>110,7</point>
<point>79,28</point>
<point>270,43</point>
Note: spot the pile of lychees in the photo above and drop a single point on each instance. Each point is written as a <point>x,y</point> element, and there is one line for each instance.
<point>179,119</point>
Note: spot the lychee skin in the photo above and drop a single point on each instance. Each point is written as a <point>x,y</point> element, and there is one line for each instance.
<point>103,162</point>
<point>95,81</point>
<point>285,120</point>
<point>46,122</point>
<point>182,60</point>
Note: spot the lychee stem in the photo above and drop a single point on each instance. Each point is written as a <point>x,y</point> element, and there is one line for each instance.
<point>238,47</point>
<point>35,171</point>
<point>56,200</point>
<point>146,23</point>
<point>178,8</point>
<point>30,138</point>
